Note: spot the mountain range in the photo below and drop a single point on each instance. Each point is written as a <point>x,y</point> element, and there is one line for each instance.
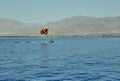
<point>72,26</point>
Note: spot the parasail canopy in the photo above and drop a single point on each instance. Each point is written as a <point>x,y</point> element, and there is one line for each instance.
<point>44,30</point>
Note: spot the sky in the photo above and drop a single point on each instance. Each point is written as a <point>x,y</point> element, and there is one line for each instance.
<point>43,11</point>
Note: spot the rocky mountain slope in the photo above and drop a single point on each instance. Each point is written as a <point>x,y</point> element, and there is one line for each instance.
<point>73,26</point>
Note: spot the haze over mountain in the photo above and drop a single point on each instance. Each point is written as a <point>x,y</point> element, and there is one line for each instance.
<point>72,26</point>
<point>9,27</point>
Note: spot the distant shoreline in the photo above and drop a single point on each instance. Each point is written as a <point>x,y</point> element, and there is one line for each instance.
<point>53,36</point>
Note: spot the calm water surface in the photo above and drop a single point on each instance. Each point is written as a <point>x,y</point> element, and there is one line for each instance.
<point>68,59</point>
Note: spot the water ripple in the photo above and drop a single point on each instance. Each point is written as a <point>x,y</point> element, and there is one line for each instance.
<point>69,59</point>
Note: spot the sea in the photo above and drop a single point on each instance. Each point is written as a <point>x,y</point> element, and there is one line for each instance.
<point>65,59</point>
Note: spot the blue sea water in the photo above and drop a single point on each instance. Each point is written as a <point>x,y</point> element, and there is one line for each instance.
<point>68,59</point>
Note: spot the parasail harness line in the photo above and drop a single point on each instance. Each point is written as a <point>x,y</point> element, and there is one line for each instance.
<point>44,31</point>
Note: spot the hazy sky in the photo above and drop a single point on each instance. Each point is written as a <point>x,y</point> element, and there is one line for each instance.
<point>42,11</point>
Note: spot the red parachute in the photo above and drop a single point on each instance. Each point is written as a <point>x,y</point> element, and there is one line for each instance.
<point>44,30</point>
